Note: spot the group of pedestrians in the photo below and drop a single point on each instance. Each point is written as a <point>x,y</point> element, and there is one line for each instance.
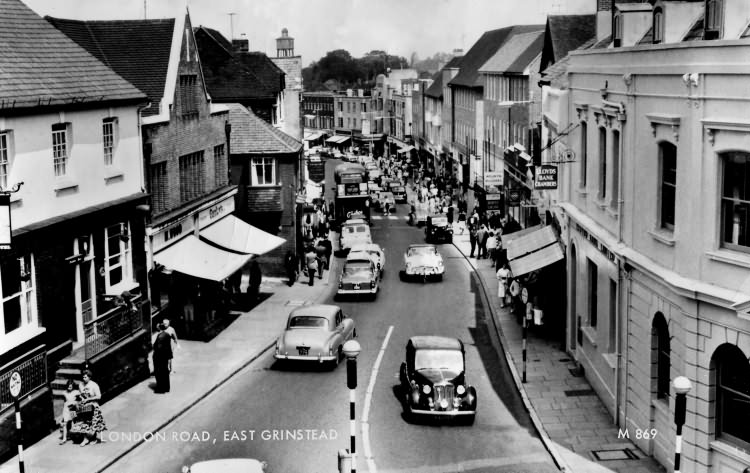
<point>81,413</point>
<point>315,258</point>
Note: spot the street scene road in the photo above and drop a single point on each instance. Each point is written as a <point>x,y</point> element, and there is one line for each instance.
<point>295,417</point>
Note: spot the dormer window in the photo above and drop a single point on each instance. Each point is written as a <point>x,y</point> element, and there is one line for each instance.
<point>658,25</point>
<point>713,19</point>
<point>617,31</point>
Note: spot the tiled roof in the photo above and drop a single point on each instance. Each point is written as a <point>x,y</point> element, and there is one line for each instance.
<point>40,66</point>
<point>569,32</point>
<point>251,134</point>
<point>236,76</point>
<point>483,49</point>
<point>516,53</point>
<point>557,71</point>
<point>436,89</point>
<point>138,50</point>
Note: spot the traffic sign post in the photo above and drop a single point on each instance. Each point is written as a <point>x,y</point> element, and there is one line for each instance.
<point>15,389</point>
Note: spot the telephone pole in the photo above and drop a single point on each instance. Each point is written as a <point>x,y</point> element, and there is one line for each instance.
<point>231,26</point>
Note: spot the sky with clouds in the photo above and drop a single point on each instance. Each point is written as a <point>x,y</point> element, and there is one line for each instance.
<point>399,27</point>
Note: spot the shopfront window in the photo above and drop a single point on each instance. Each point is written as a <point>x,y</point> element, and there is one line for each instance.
<point>18,294</point>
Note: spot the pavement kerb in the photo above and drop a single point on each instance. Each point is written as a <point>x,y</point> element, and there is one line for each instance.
<point>181,411</point>
<point>560,462</point>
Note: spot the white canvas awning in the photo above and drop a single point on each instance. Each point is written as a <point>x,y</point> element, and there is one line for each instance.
<point>236,235</point>
<point>193,257</point>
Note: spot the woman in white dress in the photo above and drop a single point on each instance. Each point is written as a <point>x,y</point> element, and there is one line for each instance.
<point>502,286</point>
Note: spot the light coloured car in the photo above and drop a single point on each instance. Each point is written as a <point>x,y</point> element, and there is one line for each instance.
<point>423,261</point>
<point>227,465</point>
<point>354,231</point>
<point>359,277</point>
<point>376,253</point>
<point>315,333</point>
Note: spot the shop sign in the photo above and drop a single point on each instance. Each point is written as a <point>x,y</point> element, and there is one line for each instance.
<point>546,177</point>
<point>216,212</point>
<point>493,178</point>
<point>514,197</point>
<point>173,232</point>
<point>5,231</point>
<point>493,201</point>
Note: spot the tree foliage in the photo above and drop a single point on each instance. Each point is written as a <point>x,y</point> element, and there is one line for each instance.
<point>349,72</point>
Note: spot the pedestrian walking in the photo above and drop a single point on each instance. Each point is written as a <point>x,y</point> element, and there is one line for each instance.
<point>502,286</point>
<point>481,237</point>
<point>311,260</point>
<point>173,336</point>
<point>462,221</point>
<point>72,398</point>
<point>162,358</point>
<point>256,278</point>
<point>472,239</point>
<point>89,420</point>
<point>290,265</point>
<point>491,244</point>
<point>320,253</point>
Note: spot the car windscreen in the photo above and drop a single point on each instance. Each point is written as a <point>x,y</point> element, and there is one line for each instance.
<point>361,229</point>
<point>421,251</point>
<point>451,360</point>
<point>440,221</point>
<point>351,269</point>
<point>308,321</point>
<point>399,189</point>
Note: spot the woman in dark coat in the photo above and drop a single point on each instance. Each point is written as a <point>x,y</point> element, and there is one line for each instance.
<point>162,359</point>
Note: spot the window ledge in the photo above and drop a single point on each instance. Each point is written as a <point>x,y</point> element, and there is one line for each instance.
<point>120,287</point>
<point>21,335</point>
<point>730,450</point>
<point>601,204</point>
<point>590,333</point>
<point>612,212</point>
<point>611,359</point>
<point>661,405</point>
<point>664,237</point>
<point>63,184</point>
<point>731,257</point>
<point>111,172</point>
<point>582,191</point>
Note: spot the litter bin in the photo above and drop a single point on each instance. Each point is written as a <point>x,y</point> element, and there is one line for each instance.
<point>345,461</point>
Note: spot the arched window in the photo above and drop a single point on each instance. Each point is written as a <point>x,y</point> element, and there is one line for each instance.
<point>732,395</point>
<point>658,25</point>
<point>660,350</point>
<point>617,31</point>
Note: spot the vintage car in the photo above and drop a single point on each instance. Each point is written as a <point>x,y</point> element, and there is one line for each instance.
<point>423,261</point>
<point>433,379</point>
<point>438,229</point>
<point>359,276</point>
<point>376,253</point>
<point>354,231</point>
<point>386,198</point>
<point>227,465</point>
<point>315,333</point>
<point>399,193</point>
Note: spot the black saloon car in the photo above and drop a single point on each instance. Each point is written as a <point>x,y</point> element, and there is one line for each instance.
<point>433,379</point>
<point>438,229</point>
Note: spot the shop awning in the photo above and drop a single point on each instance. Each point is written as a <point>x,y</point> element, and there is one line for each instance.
<point>532,241</point>
<point>405,149</point>
<point>236,235</point>
<point>201,260</point>
<point>536,260</point>
<point>508,237</point>
<point>337,139</point>
<point>314,135</point>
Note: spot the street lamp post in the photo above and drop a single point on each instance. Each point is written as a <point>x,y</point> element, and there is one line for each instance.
<point>351,350</point>
<point>681,388</point>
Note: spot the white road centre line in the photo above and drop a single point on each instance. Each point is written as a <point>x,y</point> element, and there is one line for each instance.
<point>368,401</point>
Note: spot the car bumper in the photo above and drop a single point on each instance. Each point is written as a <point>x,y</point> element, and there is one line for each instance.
<point>425,272</point>
<point>320,358</point>
<point>452,413</point>
<point>357,291</point>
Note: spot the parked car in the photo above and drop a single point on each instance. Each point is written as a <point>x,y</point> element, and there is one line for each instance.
<point>227,465</point>
<point>375,251</point>
<point>315,333</point>
<point>399,193</point>
<point>359,277</point>
<point>354,231</point>
<point>423,261</point>
<point>433,379</point>
<point>438,229</point>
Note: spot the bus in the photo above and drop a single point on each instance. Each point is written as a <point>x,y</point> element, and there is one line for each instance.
<point>351,193</point>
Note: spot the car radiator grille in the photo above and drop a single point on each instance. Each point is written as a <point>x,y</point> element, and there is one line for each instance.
<point>444,392</point>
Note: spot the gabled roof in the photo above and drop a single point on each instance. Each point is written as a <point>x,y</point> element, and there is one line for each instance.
<point>485,47</point>
<point>251,134</point>
<point>138,50</point>
<point>515,54</point>
<point>40,66</point>
<point>564,33</point>
<point>235,76</point>
<point>696,31</point>
<point>436,89</point>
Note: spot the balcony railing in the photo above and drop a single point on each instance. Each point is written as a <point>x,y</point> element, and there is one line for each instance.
<point>112,327</point>
<point>32,367</point>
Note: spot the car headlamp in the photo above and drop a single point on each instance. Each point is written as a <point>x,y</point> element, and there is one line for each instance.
<point>426,389</point>
<point>460,389</point>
